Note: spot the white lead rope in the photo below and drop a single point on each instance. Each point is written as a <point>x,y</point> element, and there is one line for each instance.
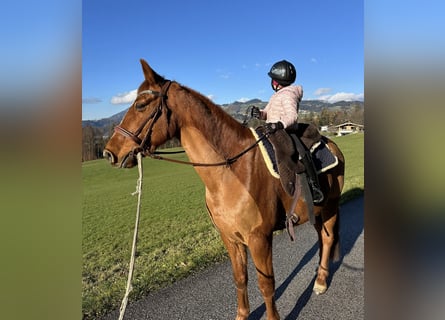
<point>133,249</point>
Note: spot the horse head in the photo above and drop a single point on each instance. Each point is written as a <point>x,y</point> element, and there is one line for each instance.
<point>147,124</point>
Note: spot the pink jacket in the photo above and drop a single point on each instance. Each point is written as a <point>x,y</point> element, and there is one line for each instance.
<point>283,106</point>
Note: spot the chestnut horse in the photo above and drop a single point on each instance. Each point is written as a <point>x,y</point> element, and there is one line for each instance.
<point>245,202</point>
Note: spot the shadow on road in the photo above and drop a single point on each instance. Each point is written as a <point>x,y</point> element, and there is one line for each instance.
<point>351,226</point>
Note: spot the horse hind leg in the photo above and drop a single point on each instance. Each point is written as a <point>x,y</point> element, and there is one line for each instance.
<point>328,236</point>
<point>238,257</point>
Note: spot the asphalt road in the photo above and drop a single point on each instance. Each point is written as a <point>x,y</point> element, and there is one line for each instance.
<point>210,295</point>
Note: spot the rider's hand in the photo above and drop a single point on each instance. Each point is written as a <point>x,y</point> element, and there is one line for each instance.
<point>255,112</point>
<point>270,128</point>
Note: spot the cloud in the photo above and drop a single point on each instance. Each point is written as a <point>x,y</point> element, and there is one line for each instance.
<point>211,97</point>
<point>313,60</point>
<point>342,96</point>
<point>91,100</point>
<point>321,91</point>
<point>225,75</point>
<point>322,94</point>
<point>254,66</point>
<point>124,98</point>
<point>243,100</point>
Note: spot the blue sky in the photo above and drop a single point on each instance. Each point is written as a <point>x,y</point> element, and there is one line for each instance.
<point>222,49</point>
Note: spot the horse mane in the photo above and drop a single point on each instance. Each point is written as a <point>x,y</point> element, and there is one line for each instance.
<point>221,129</point>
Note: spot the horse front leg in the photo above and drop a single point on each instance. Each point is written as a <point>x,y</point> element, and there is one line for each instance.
<point>260,247</point>
<point>238,257</point>
<point>327,231</point>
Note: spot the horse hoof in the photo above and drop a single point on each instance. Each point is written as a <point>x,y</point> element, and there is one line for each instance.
<point>319,289</point>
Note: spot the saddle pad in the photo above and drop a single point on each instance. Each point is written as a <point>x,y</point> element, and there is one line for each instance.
<point>268,154</point>
<point>321,155</point>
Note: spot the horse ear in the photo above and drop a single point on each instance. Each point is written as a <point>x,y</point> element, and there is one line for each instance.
<point>149,74</point>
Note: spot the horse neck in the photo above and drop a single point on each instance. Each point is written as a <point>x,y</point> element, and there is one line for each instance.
<point>208,134</point>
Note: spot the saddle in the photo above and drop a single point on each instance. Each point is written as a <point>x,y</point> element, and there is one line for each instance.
<point>286,152</point>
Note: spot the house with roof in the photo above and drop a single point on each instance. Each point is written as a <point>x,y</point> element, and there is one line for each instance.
<point>347,128</point>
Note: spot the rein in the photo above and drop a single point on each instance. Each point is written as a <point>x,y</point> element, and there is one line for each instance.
<point>227,162</point>
<point>144,144</point>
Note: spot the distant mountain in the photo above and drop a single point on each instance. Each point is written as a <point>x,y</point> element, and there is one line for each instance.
<point>95,133</point>
<point>318,105</point>
<point>106,122</point>
<point>238,110</point>
<point>252,101</point>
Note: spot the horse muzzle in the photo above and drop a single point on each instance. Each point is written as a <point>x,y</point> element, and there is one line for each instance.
<point>128,161</point>
<point>108,155</point>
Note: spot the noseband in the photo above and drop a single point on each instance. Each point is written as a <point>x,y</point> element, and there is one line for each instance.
<point>144,144</point>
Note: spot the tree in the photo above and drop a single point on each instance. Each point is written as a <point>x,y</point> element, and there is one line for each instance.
<point>87,143</point>
<point>325,117</point>
<point>93,143</point>
<point>357,114</point>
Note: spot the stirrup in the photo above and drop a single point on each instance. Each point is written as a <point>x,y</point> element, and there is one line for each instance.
<point>317,195</point>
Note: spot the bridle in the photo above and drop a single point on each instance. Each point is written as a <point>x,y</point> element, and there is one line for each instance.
<point>145,143</point>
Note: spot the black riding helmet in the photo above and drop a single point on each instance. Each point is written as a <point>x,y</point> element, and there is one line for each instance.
<point>283,72</point>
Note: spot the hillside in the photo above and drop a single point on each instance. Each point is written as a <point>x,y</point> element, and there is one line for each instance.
<point>238,110</point>
<point>95,133</point>
<point>105,122</point>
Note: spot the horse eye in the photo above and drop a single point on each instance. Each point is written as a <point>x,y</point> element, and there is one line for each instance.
<point>140,105</point>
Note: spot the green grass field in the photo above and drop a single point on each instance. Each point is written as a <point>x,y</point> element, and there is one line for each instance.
<point>176,236</point>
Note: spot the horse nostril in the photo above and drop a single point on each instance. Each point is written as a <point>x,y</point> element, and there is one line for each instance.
<point>109,156</point>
